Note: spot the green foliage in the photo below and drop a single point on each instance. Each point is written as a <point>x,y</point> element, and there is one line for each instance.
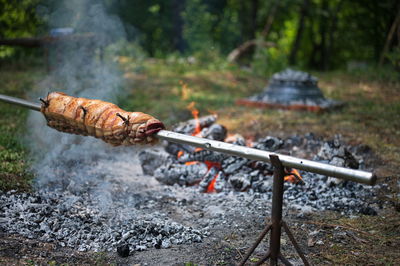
<point>268,61</point>
<point>18,19</point>
<point>197,27</point>
<point>226,30</point>
<point>394,57</point>
<point>333,31</point>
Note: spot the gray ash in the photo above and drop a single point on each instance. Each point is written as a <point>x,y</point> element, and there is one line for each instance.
<point>80,223</point>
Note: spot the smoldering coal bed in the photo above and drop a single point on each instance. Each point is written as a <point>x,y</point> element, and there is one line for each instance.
<point>211,171</point>
<point>106,202</point>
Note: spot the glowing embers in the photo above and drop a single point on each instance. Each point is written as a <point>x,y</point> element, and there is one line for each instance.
<point>293,176</point>
<point>195,113</point>
<point>212,171</point>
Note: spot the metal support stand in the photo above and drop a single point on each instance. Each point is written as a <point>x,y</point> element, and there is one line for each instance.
<point>276,224</point>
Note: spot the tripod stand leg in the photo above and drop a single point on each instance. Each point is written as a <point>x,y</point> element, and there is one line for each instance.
<point>295,244</point>
<point>284,260</point>
<point>255,245</point>
<point>276,212</point>
<point>261,261</point>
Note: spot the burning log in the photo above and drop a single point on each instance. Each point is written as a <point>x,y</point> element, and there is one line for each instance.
<point>220,182</point>
<point>233,164</point>
<point>240,181</point>
<point>269,144</point>
<point>202,156</point>
<point>174,148</point>
<point>208,179</point>
<point>188,127</point>
<point>203,126</point>
<point>337,154</point>
<point>152,159</point>
<point>183,174</point>
<point>215,132</point>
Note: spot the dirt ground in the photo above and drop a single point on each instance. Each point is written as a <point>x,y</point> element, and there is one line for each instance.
<point>327,238</point>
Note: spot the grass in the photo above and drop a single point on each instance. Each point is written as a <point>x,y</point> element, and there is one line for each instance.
<point>363,240</point>
<point>13,153</point>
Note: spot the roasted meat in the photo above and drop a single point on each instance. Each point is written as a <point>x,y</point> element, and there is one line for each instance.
<point>99,119</point>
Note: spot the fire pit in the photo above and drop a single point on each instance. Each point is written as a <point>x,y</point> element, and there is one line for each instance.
<point>211,171</point>
<point>227,167</point>
<point>290,89</point>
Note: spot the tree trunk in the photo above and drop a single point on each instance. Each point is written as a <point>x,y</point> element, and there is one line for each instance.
<point>235,54</point>
<point>312,62</point>
<point>396,24</point>
<point>299,34</point>
<point>323,29</point>
<point>177,39</point>
<point>254,13</point>
<point>238,51</point>
<point>331,36</point>
<point>270,19</point>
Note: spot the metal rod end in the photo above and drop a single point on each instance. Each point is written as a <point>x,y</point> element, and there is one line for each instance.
<point>373,179</point>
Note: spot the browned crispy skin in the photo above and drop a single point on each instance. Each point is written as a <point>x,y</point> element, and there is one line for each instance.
<point>99,119</point>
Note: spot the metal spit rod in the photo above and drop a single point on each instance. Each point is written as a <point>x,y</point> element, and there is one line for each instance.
<point>242,151</point>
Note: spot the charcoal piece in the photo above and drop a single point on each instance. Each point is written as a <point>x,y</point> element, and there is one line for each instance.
<point>232,164</point>
<point>240,182</point>
<point>338,161</point>
<point>236,139</point>
<point>215,132</point>
<point>293,141</point>
<point>254,175</point>
<point>189,126</point>
<point>362,149</point>
<point>263,166</point>
<point>220,182</point>
<point>350,160</point>
<point>205,182</point>
<point>181,173</point>
<point>269,144</point>
<point>123,250</point>
<point>337,154</point>
<point>174,148</point>
<point>262,185</point>
<point>310,136</point>
<point>151,159</point>
<point>246,170</point>
<point>368,211</point>
<point>202,156</point>
<point>158,244</point>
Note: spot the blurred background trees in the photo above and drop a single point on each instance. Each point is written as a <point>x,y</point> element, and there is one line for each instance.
<point>309,34</point>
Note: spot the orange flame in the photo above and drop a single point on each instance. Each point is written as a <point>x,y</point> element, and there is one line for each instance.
<point>195,114</point>
<point>180,153</point>
<point>191,162</point>
<point>211,186</point>
<point>250,142</point>
<point>185,93</point>
<point>293,176</point>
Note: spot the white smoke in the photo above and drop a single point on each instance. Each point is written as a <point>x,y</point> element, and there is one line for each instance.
<point>69,162</point>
